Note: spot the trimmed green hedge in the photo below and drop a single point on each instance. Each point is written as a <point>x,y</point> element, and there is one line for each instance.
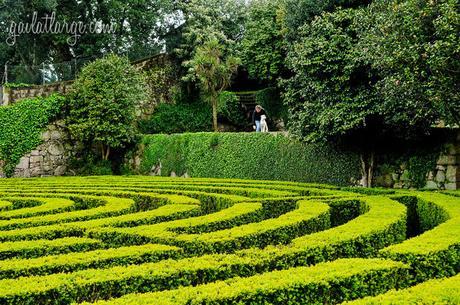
<point>21,126</point>
<point>248,156</point>
<point>325,283</point>
<point>436,252</point>
<point>442,292</point>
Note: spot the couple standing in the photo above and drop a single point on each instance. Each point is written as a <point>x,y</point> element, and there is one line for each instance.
<point>259,119</point>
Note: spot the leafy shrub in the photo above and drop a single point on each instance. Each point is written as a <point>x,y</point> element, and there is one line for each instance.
<point>102,106</point>
<point>169,118</point>
<point>89,165</point>
<point>248,155</point>
<point>21,127</point>
<point>229,108</point>
<point>270,100</point>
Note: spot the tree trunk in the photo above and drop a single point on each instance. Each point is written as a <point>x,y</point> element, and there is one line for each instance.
<point>107,153</point>
<point>105,150</point>
<point>214,114</point>
<point>367,169</point>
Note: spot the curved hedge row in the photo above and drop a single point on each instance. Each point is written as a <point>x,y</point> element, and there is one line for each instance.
<point>152,240</point>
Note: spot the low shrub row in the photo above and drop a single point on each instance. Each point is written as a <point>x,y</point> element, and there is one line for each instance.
<point>436,252</point>
<point>102,258</point>
<point>441,291</point>
<point>383,224</point>
<point>37,248</point>
<point>326,283</point>
<point>241,230</point>
<point>309,217</point>
<point>25,207</point>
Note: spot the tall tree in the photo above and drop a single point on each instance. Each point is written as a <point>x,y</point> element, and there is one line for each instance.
<point>364,75</point>
<point>263,46</point>
<point>331,93</point>
<point>415,46</point>
<point>204,20</point>
<point>213,69</point>
<point>139,27</point>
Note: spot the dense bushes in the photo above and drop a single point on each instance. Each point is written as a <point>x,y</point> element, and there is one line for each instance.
<point>102,104</point>
<point>21,126</point>
<point>170,118</point>
<point>247,155</point>
<point>229,109</point>
<point>193,116</point>
<point>270,100</point>
<point>269,241</point>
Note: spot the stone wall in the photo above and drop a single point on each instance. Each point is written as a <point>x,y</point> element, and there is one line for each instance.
<point>12,95</point>
<point>447,172</point>
<point>9,96</point>
<point>51,157</point>
<point>446,175</point>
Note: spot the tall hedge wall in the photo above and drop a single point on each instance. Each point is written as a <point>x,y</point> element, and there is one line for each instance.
<point>247,155</point>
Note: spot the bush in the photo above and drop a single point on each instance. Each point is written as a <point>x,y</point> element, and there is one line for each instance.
<point>229,108</point>
<point>248,155</point>
<point>270,100</point>
<point>102,105</point>
<point>21,126</point>
<point>168,118</point>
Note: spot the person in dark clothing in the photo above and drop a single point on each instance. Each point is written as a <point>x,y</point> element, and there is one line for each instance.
<point>256,117</point>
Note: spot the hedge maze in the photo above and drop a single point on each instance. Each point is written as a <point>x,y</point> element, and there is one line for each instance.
<point>148,240</point>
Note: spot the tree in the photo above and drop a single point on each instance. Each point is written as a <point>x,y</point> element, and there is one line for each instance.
<point>367,75</point>
<point>205,20</point>
<point>415,46</point>
<point>213,69</point>
<point>331,93</point>
<point>301,12</point>
<point>101,109</point>
<point>139,27</point>
<point>263,47</point>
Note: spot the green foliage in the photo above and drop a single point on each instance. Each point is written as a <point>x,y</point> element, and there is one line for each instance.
<point>213,68</point>
<point>270,100</point>
<point>102,106</point>
<point>170,118</point>
<point>89,165</point>
<point>267,241</point>
<point>440,291</point>
<point>357,68</point>
<point>16,85</point>
<point>248,155</point>
<point>301,12</point>
<point>230,109</point>
<point>419,165</point>
<point>414,47</point>
<point>326,283</point>
<point>162,85</point>
<point>434,253</point>
<point>147,20</point>
<point>262,47</point>
<point>21,126</point>
<point>330,92</point>
<point>207,20</point>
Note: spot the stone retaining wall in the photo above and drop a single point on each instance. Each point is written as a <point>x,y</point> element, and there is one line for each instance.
<point>51,157</point>
<point>12,95</point>
<point>446,175</point>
